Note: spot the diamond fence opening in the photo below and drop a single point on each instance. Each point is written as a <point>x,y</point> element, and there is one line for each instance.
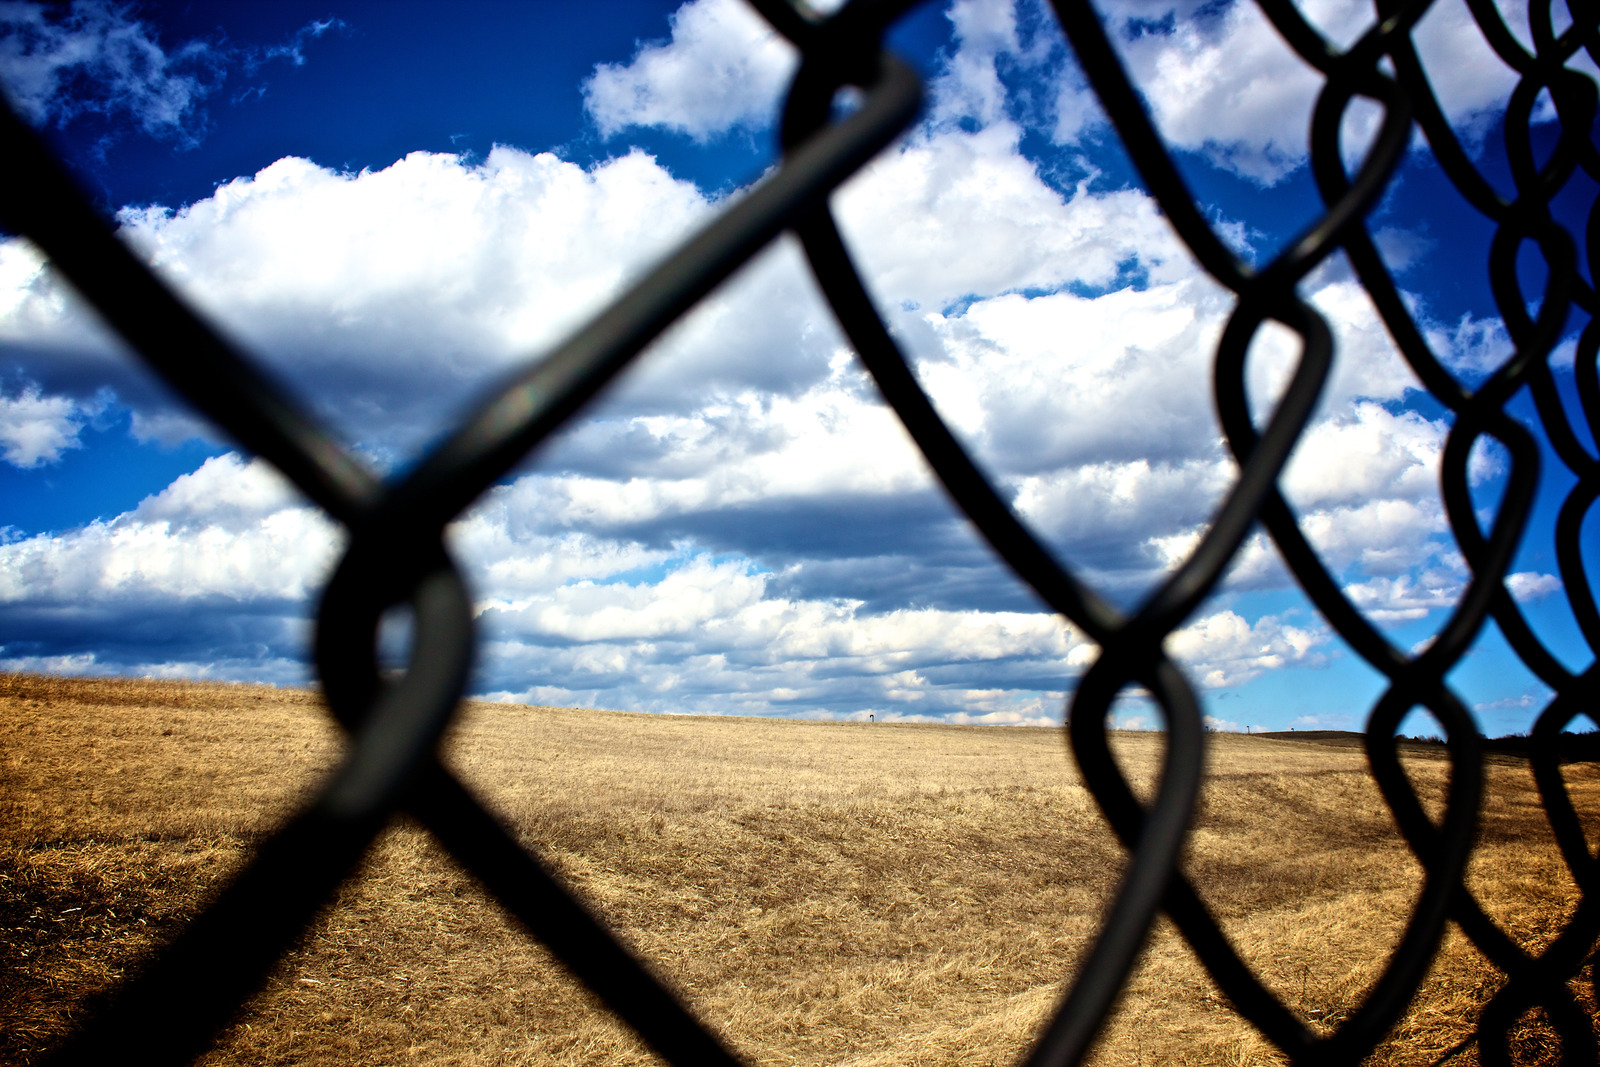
<point>396,554</point>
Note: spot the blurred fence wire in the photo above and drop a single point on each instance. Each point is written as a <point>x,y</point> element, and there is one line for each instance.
<point>396,553</point>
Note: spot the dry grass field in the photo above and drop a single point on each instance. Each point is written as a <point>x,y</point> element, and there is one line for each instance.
<point>822,893</point>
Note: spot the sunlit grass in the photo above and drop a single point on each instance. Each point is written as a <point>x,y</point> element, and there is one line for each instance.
<point>822,893</point>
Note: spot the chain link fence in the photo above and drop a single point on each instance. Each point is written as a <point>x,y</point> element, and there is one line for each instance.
<point>396,553</point>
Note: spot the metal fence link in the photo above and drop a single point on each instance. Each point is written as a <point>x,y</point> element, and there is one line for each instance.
<point>396,554</point>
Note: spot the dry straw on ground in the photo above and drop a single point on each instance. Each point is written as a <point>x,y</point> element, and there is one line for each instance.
<point>822,893</point>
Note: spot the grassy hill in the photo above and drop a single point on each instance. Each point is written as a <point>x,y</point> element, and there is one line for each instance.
<point>822,893</point>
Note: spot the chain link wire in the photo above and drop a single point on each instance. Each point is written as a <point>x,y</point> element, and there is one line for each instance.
<point>396,552</point>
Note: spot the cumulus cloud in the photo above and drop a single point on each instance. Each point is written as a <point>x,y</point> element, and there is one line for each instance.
<point>1363,454</point>
<point>1218,78</point>
<point>450,270</point>
<point>1221,82</point>
<point>235,555</point>
<point>754,450</point>
<point>211,578</point>
<point>706,633</point>
<point>1224,649</point>
<point>1047,381</point>
<point>970,86</point>
<point>231,530</point>
<point>36,429</point>
<point>1403,598</point>
<point>723,67</point>
<point>740,524</point>
<point>1531,585</point>
<point>907,210</point>
<point>1364,477</point>
<point>492,262</point>
<point>1040,318</point>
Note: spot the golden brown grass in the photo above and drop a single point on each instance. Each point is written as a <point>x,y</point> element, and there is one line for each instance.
<point>821,893</point>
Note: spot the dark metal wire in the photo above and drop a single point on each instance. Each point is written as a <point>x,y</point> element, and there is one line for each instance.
<point>396,554</point>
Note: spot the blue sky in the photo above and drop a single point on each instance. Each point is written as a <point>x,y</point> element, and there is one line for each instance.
<point>395,204</point>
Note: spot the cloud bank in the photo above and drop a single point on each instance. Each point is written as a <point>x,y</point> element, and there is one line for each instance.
<point>740,524</point>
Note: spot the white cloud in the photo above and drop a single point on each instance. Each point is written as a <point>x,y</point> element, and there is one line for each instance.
<point>726,605</point>
<point>740,525</point>
<point>1402,248</point>
<point>45,57</point>
<point>1531,585</point>
<point>169,428</point>
<point>723,67</point>
<point>231,530</point>
<point>275,670</point>
<point>1041,711</point>
<point>908,211</point>
<point>510,252</point>
<point>60,61</point>
<point>1220,80</point>
<point>450,270</point>
<point>970,86</point>
<point>1048,381</point>
<point>1516,703</point>
<point>1381,536</point>
<point>1224,649</point>
<point>225,492</point>
<point>39,312</point>
<point>1102,500</point>
<point>1327,722</point>
<point>1363,454</point>
<point>37,429</point>
<point>76,663</point>
<point>598,620</point>
<point>685,632</point>
<point>1231,86</point>
<point>810,446</point>
<point>21,265</point>
<point>1473,347</point>
<point>455,271</point>
<point>1403,598</point>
